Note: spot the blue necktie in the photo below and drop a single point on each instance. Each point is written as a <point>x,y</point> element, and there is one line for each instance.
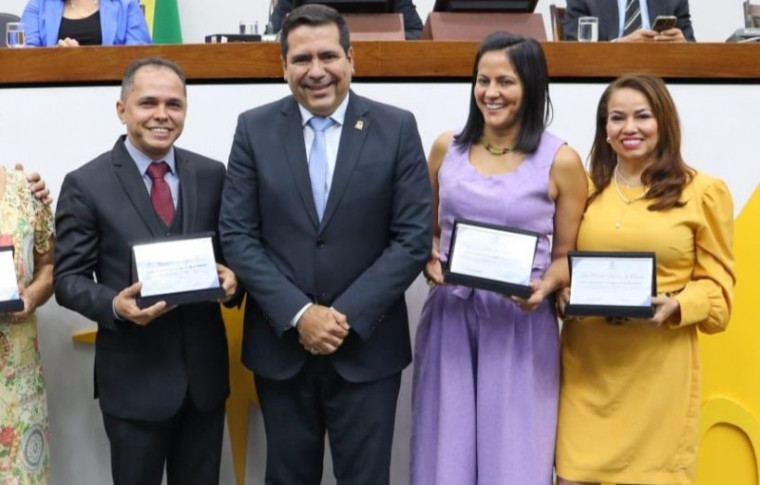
<point>318,163</point>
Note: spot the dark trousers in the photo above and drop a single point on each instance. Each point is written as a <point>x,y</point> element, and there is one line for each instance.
<point>189,444</point>
<point>358,419</point>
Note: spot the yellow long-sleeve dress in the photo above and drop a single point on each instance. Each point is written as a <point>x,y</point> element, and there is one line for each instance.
<point>630,393</point>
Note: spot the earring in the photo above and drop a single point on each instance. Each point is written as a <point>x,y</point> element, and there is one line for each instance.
<point>608,139</point>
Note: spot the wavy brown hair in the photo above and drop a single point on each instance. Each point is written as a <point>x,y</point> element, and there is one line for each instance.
<point>669,174</point>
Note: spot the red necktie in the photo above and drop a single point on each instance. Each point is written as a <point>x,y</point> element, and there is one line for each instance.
<point>160,193</point>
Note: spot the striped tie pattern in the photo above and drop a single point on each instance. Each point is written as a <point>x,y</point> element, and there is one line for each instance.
<point>632,17</point>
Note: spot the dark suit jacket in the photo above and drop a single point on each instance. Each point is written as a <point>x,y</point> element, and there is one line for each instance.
<point>140,372</point>
<point>373,241</point>
<point>412,21</point>
<point>609,17</point>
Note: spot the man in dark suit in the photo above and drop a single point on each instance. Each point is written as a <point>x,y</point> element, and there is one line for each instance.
<point>611,15</point>
<point>412,22</point>
<point>325,247</point>
<point>161,372</point>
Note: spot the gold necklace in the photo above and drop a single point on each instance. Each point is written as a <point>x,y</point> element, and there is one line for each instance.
<point>494,150</point>
<point>625,180</point>
<point>628,200</point>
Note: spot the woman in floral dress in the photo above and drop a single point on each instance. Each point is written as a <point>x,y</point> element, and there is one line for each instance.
<point>27,225</point>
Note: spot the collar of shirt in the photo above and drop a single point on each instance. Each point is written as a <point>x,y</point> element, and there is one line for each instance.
<point>332,137</point>
<point>143,161</point>
<point>645,24</point>
<point>337,116</point>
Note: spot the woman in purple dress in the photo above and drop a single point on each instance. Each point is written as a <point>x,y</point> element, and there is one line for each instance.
<point>486,377</point>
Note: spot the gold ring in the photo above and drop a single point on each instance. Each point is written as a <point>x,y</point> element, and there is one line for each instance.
<point>313,351</point>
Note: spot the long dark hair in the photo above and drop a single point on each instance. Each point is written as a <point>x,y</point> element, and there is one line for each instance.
<point>669,174</point>
<point>535,111</point>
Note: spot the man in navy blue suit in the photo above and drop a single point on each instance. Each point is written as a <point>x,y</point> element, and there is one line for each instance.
<point>325,256</point>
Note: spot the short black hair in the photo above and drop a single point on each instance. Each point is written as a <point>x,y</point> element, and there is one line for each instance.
<point>535,111</point>
<point>129,74</point>
<point>314,14</point>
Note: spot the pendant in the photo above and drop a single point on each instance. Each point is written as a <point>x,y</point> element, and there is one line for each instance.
<point>617,225</point>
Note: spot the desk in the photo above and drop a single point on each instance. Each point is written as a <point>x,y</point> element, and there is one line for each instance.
<point>397,60</point>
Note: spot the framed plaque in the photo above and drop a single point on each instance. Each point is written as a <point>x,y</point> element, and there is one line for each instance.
<point>176,270</point>
<point>10,300</point>
<point>491,257</point>
<point>612,284</point>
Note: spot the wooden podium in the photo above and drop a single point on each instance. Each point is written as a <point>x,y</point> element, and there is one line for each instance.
<point>475,26</point>
<point>375,26</point>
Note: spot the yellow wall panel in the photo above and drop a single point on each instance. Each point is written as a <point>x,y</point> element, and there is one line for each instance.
<point>730,421</point>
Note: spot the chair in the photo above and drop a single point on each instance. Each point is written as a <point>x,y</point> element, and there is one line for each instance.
<point>751,15</point>
<point>4,19</point>
<point>557,15</point>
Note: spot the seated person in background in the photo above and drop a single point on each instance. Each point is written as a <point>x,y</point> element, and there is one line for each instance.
<point>630,20</point>
<point>412,21</point>
<point>71,23</point>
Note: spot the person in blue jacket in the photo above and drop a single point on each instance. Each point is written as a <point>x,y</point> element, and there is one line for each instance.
<point>71,23</point>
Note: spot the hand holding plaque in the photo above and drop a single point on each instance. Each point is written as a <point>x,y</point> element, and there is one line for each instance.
<point>10,300</point>
<point>611,284</point>
<point>490,257</point>
<point>177,270</point>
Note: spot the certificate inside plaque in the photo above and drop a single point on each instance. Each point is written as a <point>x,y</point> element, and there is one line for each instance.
<point>177,270</point>
<point>612,284</point>
<point>10,300</point>
<point>491,257</point>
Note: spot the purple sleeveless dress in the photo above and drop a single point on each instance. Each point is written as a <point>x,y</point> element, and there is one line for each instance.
<point>486,374</point>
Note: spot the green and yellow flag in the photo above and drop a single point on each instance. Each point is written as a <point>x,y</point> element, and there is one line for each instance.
<point>163,21</point>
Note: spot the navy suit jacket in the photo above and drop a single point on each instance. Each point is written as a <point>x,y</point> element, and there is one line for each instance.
<point>141,372</point>
<point>609,17</point>
<point>372,242</point>
<point>412,21</point>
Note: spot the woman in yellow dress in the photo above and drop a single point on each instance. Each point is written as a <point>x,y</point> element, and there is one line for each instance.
<point>630,392</point>
<point>27,225</point>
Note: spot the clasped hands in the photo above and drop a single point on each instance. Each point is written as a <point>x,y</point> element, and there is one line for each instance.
<point>665,308</point>
<point>126,308</point>
<point>321,330</point>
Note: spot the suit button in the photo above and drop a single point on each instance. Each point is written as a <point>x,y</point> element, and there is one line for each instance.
<point>320,243</point>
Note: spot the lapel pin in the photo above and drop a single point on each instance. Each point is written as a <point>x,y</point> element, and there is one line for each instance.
<point>359,125</point>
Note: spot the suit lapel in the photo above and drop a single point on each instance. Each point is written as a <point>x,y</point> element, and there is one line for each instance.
<point>292,131</point>
<point>188,189</point>
<point>356,125</point>
<point>609,18</point>
<point>134,188</point>
<point>108,11</point>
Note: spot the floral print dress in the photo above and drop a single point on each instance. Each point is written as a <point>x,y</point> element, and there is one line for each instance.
<point>24,434</point>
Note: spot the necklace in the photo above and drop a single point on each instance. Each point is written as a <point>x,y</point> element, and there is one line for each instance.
<point>628,200</point>
<point>494,150</point>
<point>627,182</point>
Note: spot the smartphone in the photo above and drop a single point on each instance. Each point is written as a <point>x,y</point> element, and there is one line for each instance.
<point>664,22</point>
